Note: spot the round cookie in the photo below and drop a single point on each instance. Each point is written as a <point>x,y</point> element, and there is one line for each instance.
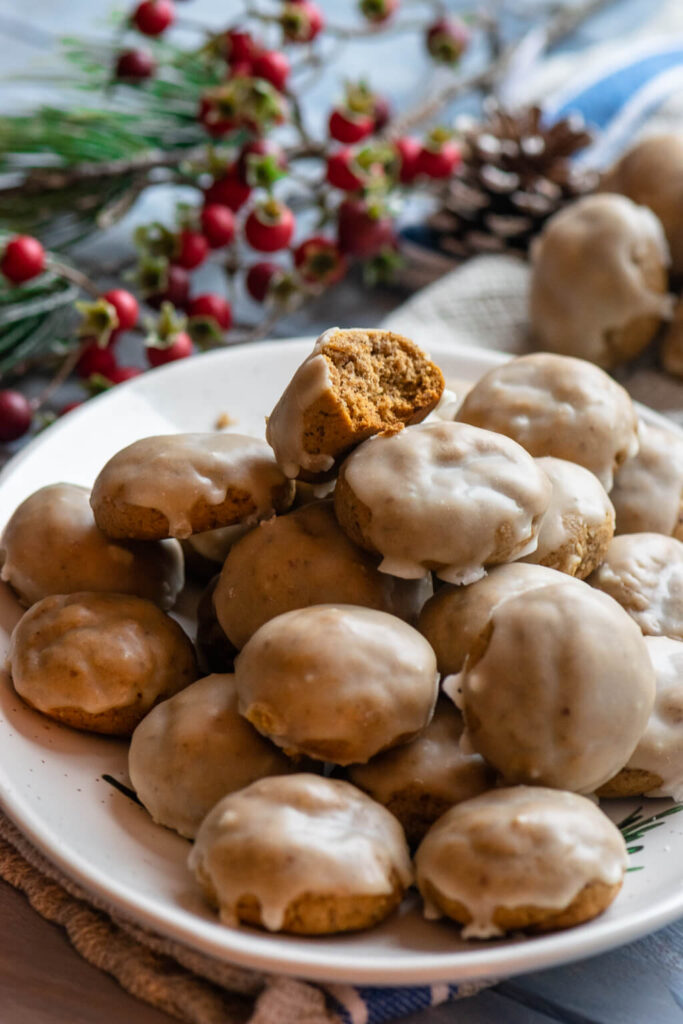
<point>651,173</point>
<point>301,854</point>
<point>579,523</point>
<point>522,858</point>
<point>454,617</point>
<point>51,545</point>
<point>557,405</point>
<point>194,749</point>
<point>644,573</point>
<point>599,280</point>
<point>420,780</point>
<point>442,496</point>
<point>656,766</point>
<point>175,485</point>
<point>214,650</point>
<point>301,559</point>
<point>354,384</point>
<point>558,689</point>
<point>98,662</point>
<point>336,682</point>
<point>648,488</point>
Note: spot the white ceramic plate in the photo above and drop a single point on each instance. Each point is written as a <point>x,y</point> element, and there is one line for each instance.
<point>51,777</point>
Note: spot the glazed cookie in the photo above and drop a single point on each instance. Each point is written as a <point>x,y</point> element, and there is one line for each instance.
<point>599,280</point>
<point>442,496</point>
<point>656,767</point>
<point>648,488</point>
<point>336,682</point>
<point>556,405</point>
<point>579,523</point>
<point>558,689</point>
<point>98,662</point>
<point>178,484</point>
<point>194,749</point>
<point>355,383</point>
<point>302,559</point>
<point>420,780</point>
<point>644,573</point>
<point>301,854</point>
<point>455,616</point>
<point>525,858</point>
<point>51,545</point>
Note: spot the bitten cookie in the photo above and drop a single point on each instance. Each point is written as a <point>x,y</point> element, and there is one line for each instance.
<point>301,559</point>
<point>336,682</point>
<point>98,662</point>
<point>644,573</point>
<point>557,405</point>
<point>194,749</point>
<point>178,484</point>
<point>301,854</point>
<point>445,497</point>
<point>51,545</point>
<point>558,689</point>
<point>355,383</point>
<point>522,858</point>
<point>420,780</point>
<point>579,523</point>
<point>648,488</point>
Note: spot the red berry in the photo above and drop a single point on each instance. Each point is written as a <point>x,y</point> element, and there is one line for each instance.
<point>177,289</point>
<point>360,232</point>
<point>378,11</point>
<point>181,348</point>
<point>340,173</point>
<point>239,46</point>
<point>135,65</point>
<point>381,111</point>
<point>228,191</point>
<point>345,126</point>
<point>213,307</point>
<point>212,122</point>
<point>408,150</point>
<point>24,258</point>
<point>259,277</point>
<point>126,306</point>
<point>16,415</point>
<point>152,17</point>
<point>440,161</point>
<point>218,224</point>
<point>301,22</point>
<point>241,69</point>
<point>447,40</point>
<point>269,226</point>
<point>193,249</point>
<point>320,261</point>
<point>96,360</point>
<point>69,407</point>
<point>274,66</point>
<point>120,374</point>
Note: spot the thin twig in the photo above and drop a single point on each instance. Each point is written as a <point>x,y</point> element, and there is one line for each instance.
<point>63,373</point>
<point>76,277</point>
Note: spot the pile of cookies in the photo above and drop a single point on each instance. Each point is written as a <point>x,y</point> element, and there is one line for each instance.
<point>421,630</point>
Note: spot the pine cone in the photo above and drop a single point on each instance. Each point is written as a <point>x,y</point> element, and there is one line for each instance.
<point>515,174</point>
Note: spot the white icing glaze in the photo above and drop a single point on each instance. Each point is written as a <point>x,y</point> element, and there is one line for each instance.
<point>172,472</point>
<point>587,276</point>
<point>285,430</point>
<point>579,503</point>
<point>282,838</point>
<point>648,488</point>
<point>447,496</point>
<point>556,405</point>
<point>98,652</point>
<point>192,750</point>
<point>644,573</point>
<point>337,682</point>
<point>518,847</point>
<point>51,545</point>
<point>562,691</point>
<point>660,748</point>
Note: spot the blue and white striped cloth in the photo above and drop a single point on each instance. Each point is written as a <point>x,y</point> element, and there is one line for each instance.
<point>616,97</point>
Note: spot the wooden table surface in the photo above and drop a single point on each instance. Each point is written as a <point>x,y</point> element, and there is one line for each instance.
<point>42,979</point>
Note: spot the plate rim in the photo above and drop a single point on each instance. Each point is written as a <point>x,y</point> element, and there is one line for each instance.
<point>260,951</point>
